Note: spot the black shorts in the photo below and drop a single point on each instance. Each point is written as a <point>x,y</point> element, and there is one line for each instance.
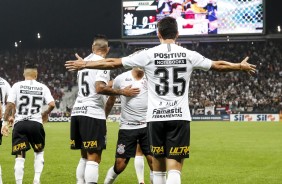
<point>127,142</point>
<point>0,132</point>
<point>26,133</point>
<point>170,139</point>
<point>88,133</point>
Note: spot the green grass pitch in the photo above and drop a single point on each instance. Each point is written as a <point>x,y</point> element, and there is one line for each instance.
<point>221,152</point>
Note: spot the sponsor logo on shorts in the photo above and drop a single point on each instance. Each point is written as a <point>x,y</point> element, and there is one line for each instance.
<point>157,150</point>
<point>120,149</point>
<point>18,147</point>
<point>90,144</point>
<point>38,146</point>
<point>72,143</point>
<point>184,150</point>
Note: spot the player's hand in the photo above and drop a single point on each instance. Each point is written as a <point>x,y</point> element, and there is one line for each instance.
<point>247,67</point>
<point>129,91</point>
<point>44,117</point>
<point>75,64</point>
<point>11,121</point>
<point>5,129</point>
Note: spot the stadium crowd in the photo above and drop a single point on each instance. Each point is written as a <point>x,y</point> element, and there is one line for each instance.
<point>239,92</point>
<point>235,92</point>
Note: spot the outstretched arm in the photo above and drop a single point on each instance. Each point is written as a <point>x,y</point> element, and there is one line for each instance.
<point>228,66</point>
<point>104,64</point>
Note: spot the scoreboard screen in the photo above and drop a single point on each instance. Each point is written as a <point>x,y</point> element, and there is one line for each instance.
<point>194,17</point>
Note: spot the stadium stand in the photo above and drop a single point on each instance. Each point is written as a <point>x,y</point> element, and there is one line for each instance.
<point>234,92</point>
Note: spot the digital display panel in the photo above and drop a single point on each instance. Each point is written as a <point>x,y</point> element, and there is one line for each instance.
<point>194,17</point>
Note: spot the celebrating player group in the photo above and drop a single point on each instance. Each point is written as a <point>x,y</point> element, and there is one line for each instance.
<point>167,68</point>
<point>155,116</point>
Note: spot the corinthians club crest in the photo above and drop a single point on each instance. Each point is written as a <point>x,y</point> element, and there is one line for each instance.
<point>120,149</point>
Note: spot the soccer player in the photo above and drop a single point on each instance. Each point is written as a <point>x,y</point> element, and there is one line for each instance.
<point>27,98</point>
<point>4,89</point>
<point>88,120</point>
<point>168,68</point>
<point>133,126</point>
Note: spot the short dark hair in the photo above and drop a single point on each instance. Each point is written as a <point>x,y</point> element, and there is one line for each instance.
<point>100,37</point>
<point>167,27</point>
<point>100,42</point>
<point>30,66</point>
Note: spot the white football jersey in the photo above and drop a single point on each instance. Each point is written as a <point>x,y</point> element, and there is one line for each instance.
<point>168,68</point>
<point>133,109</point>
<point>29,97</point>
<point>88,102</point>
<point>4,91</point>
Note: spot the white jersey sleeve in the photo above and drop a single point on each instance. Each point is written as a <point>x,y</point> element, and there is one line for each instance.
<point>200,62</point>
<point>47,95</point>
<point>4,91</point>
<point>103,76</point>
<point>137,59</point>
<point>117,82</point>
<point>13,94</point>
